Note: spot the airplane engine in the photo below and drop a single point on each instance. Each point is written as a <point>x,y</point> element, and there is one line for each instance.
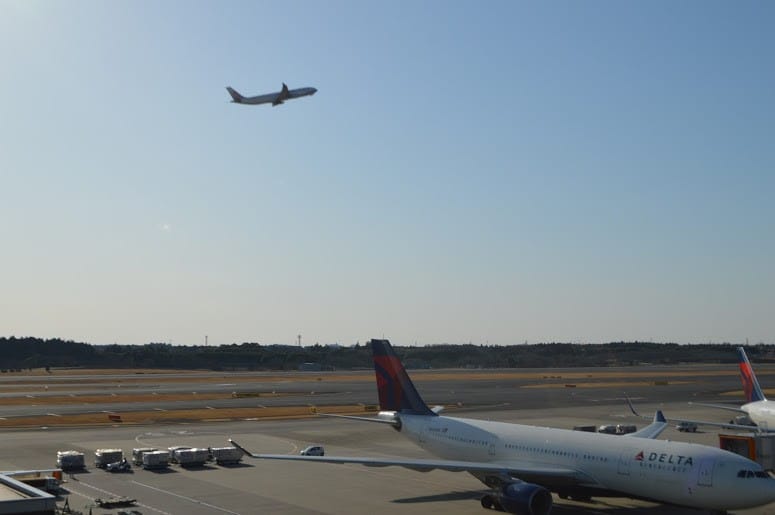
<point>520,498</point>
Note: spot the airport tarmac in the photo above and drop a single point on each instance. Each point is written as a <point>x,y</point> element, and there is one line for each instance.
<point>279,487</point>
<point>294,488</point>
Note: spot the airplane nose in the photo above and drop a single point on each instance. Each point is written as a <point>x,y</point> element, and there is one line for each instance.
<point>314,90</point>
<point>764,493</point>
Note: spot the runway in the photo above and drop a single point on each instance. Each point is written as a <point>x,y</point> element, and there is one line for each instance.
<point>302,488</point>
<point>506,389</point>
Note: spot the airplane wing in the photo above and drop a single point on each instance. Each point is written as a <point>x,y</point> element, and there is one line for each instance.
<point>652,430</point>
<point>282,96</point>
<point>719,406</point>
<point>555,476</point>
<point>723,425</point>
<point>393,422</point>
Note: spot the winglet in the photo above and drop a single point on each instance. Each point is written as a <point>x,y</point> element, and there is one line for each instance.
<point>235,96</point>
<point>238,446</point>
<point>632,408</point>
<point>652,430</point>
<point>282,96</point>
<point>753,392</point>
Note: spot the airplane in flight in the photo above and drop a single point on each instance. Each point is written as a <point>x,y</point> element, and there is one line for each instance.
<point>271,98</point>
<point>523,464</point>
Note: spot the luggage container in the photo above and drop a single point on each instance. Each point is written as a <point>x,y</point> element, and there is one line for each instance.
<point>70,460</point>
<point>156,459</point>
<point>104,457</point>
<point>174,449</point>
<point>226,455</point>
<point>193,457</point>
<point>137,454</point>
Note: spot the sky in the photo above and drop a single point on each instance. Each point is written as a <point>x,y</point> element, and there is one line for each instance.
<point>525,172</point>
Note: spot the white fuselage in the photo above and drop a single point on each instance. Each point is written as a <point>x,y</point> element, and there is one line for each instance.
<point>762,413</point>
<point>673,472</point>
<point>272,97</point>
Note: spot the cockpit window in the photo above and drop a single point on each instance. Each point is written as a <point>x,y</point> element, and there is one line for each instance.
<point>753,473</point>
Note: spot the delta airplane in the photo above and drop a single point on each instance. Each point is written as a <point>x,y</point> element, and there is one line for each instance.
<point>272,98</point>
<point>757,408</point>
<point>760,410</point>
<point>523,464</point>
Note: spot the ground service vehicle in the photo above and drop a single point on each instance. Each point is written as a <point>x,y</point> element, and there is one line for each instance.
<point>119,466</point>
<point>103,457</point>
<point>313,450</point>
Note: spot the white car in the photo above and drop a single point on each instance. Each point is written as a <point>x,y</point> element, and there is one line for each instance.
<point>313,450</point>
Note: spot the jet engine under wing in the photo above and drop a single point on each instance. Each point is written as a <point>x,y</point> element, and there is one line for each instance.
<point>526,472</point>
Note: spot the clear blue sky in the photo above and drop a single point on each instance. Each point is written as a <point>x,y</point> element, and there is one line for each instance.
<point>551,171</point>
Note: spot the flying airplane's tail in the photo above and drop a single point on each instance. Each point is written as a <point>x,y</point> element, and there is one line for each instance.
<point>753,392</point>
<point>235,97</point>
<point>396,391</point>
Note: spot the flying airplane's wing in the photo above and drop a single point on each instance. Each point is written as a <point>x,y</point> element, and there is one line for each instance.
<point>525,472</point>
<point>724,425</point>
<point>282,96</point>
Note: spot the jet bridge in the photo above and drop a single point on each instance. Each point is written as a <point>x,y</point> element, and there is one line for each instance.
<point>759,447</point>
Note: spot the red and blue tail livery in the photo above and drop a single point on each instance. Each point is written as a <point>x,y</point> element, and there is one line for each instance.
<point>395,389</point>
<point>753,392</point>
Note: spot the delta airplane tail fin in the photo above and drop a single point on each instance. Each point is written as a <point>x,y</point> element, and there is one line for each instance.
<point>753,392</point>
<point>396,391</point>
<point>235,97</point>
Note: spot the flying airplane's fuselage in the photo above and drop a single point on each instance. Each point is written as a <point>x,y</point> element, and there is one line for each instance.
<point>676,472</point>
<point>276,98</point>
<point>268,99</point>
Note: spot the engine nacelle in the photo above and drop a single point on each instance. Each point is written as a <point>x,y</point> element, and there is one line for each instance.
<point>524,499</point>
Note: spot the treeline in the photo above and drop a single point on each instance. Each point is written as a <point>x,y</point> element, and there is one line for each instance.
<point>28,353</point>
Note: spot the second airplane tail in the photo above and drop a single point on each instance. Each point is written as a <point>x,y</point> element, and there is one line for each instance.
<point>235,97</point>
<point>753,392</point>
<point>396,391</point>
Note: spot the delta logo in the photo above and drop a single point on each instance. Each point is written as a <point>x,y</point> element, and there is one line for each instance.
<point>671,459</point>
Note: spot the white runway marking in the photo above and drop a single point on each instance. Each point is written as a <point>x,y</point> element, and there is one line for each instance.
<point>190,499</point>
<point>111,494</point>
